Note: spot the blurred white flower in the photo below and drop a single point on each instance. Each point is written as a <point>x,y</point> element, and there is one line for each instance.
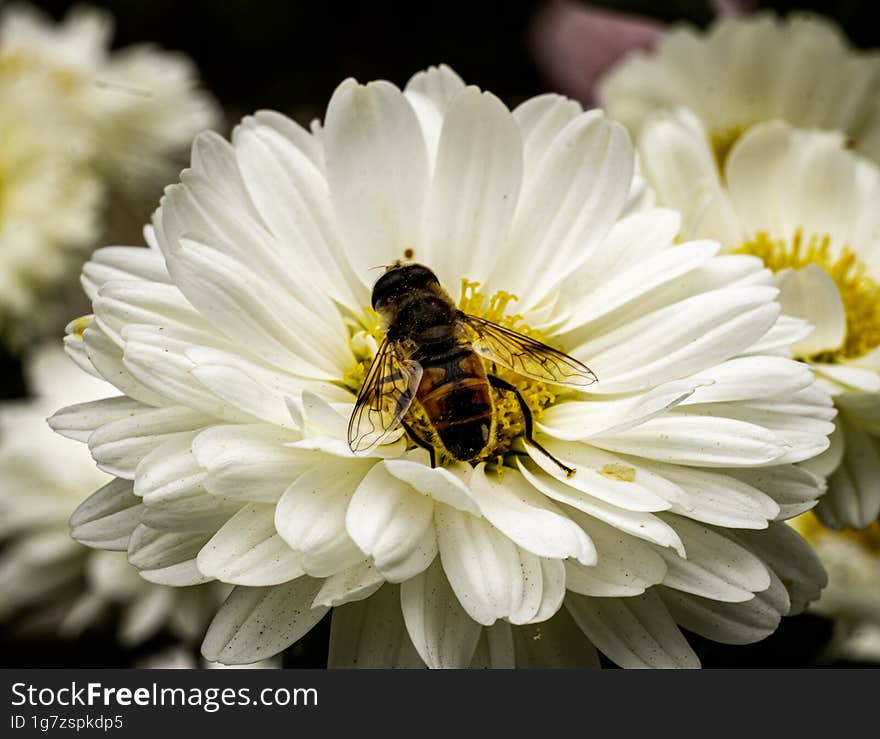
<point>139,106</point>
<point>807,206</point>
<point>745,70</point>
<point>852,597</point>
<point>45,575</point>
<point>49,200</point>
<point>240,339</point>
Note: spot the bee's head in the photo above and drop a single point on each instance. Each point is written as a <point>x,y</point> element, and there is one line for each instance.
<point>400,279</point>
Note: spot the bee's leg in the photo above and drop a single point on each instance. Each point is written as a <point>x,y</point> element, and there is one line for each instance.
<point>500,384</point>
<point>420,442</point>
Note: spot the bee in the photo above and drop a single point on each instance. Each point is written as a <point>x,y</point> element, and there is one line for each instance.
<point>432,354</point>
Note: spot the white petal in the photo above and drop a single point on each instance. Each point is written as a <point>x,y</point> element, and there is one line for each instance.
<point>790,558</point>
<point>861,379</point>
<point>370,633</point>
<point>810,294</point>
<point>631,241</point>
<point>122,263</point>
<point>701,441</point>
<point>255,623</point>
<point>248,551</point>
<point>719,499</point>
<point>310,517</point>
<point>106,518</point>
<point>540,119</point>
<point>148,303</point>
<point>444,635</point>
<point>264,318</point>
<point>449,485</point>
<point>626,566</point>
<point>687,336</point>
<point>794,489</point>
<point>786,332</point>
<point>491,576</point>
<point>430,92</point>
<point>746,378</point>
<point>377,168</point>
<point>389,521</point>
<point>575,420</point>
<point>642,525</point>
<point>80,420</point>
<point>633,632</point>
<point>106,357</point>
<point>853,497</point>
<point>729,623</point>
<point>156,358</point>
<point>293,198</point>
<point>612,479</point>
<point>714,566</point>
<point>520,512</point>
<point>356,583</point>
<point>568,204</point>
<point>119,446</point>
<point>167,558</point>
<point>626,286</point>
<point>678,162</point>
<point>474,189</point>
<point>248,462</point>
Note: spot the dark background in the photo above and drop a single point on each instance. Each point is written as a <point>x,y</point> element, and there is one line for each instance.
<point>290,56</point>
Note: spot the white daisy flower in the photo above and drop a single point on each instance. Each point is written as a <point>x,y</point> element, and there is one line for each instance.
<point>240,339</point>
<point>49,201</point>
<point>852,597</point>
<point>807,206</point>
<point>141,106</point>
<point>45,576</point>
<point>745,70</point>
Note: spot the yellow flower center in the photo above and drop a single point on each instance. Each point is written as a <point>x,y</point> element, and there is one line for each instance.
<point>809,526</point>
<point>19,63</point>
<point>859,292</point>
<point>509,423</point>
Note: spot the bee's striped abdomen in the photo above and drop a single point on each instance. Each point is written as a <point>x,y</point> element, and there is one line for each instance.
<point>456,397</point>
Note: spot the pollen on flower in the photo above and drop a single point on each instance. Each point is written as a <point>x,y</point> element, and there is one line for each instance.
<point>859,292</point>
<point>620,472</point>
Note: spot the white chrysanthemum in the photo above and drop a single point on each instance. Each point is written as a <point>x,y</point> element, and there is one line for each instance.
<point>48,203</point>
<point>852,597</point>
<point>240,339</point>
<point>808,207</point>
<point>140,106</point>
<point>43,478</point>
<point>745,70</point>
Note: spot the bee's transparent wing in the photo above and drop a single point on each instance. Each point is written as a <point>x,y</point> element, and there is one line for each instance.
<point>388,391</point>
<point>526,356</point>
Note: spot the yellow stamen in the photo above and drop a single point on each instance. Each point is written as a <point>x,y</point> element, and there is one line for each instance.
<point>859,292</point>
<point>79,325</point>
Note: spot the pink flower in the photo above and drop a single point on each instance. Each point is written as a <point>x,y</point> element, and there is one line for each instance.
<point>574,44</point>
